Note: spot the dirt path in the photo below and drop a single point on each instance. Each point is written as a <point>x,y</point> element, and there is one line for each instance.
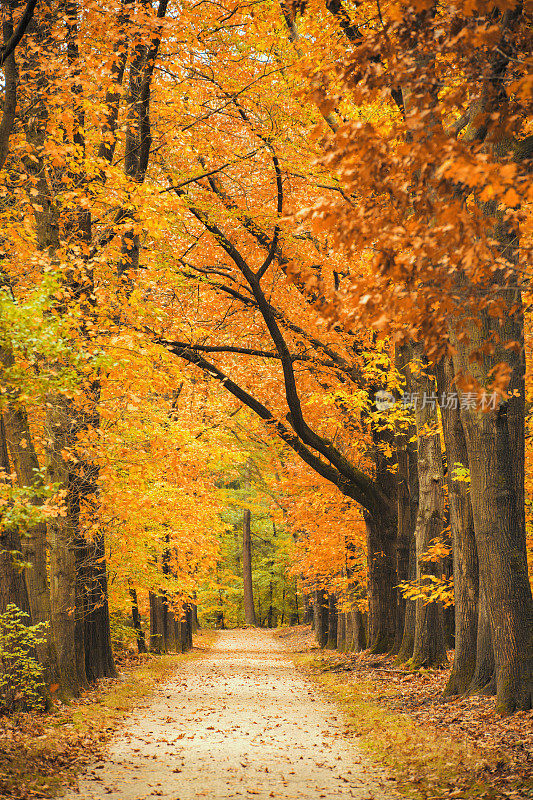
<point>240,722</point>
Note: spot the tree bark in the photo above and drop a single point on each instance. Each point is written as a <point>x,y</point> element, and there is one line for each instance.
<point>320,614</point>
<point>33,543</point>
<point>332,622</point>
<point>382,582</point>
<point>249,611</point>
<point>407,483</point>
<point>99,662</point>
<point>157,624</point>
<point>12,585</point>
<point>495,445</point>
<point>65,590</point>
<point>136,619</point>
<point>308,610</point>
<point>483,678</point>
<point>341,631</point>
<point>359,630</point>
<point>429,646</point>
<point>465,561</point>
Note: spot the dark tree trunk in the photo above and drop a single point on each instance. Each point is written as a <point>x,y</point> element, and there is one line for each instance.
<point>220,622</point>
<point>249,610</point>
<point>190,618</point>
<point>483,678</point>
<point>136,619</point>
<point>382,532</point>
<point>349,646</point>
<point>382,582</point>
<point>465,562</point>
<point>407,498</point>
<point>33,544</point>
<point>408,637</point>
<point>495,444</point>
<point>157,623</point>
<point>270,615</point>
<point>195,623</point>
<point>429,648</point>
<point>99,661</point>
<point>12,584</point>
<point>404,535</point>
<point>185,630</point>
<point>171,640</point>
<point>308,610</point>
<point>359,628</point>
<point>295,615</point>
<point>341,631</point>
<point>332,622</point>
<point>320,614</point>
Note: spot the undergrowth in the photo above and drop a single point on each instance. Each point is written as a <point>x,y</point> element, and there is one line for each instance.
<point>41,753</point>
<point>424,762</point>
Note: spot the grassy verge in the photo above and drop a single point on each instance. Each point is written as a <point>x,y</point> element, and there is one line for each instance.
<point>425,762</point>
<point>40,754</point>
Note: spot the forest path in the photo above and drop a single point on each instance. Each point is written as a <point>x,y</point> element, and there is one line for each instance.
<point>238,722</point>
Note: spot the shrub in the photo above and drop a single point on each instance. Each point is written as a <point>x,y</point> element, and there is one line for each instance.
<point>21,676</point>
<point>123,636</point>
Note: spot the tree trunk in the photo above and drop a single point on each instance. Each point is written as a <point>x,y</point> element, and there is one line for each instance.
<point>382,532</point>
<point>99,662</point>
<point>189,619</point>
<point>495,445</point>
<point>320,614</point>
<point>332,622</point>
<point>195,623</point>
<point>157,628</point>
<point>382,582</point>
<point>270,614</point>
<point>359,630</point>
<point>249,611</point>
<point>65,591</point>
<point>136,619</point>
<point>429,648</point>
<point>308,610</point>
<point>185,630</point>
<point>349,646</point>
<point>33,543</point>
<point>12,584</point>
<point>408,636</point>
<point>465,562</point>
<point>483,678</point>
<point>341,631</point>
<point>172,642</point>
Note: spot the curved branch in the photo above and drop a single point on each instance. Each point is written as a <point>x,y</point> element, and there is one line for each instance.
<point>10,100</point>
<point>302,429</point>
<point>371,501</point>
<point>18,33</point>
<point>279,182</point>
<point>246,351</point>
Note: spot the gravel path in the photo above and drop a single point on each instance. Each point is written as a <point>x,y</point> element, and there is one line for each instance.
<point>239,722</point>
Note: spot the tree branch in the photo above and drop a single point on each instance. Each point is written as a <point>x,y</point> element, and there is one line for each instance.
<point>18,33</point>
<point>357,488</point>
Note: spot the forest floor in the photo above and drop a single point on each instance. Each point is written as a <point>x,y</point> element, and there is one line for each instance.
<point>235,719</point>
<point>239,722</point>
<point>457,747</point>
<point>41,753</point>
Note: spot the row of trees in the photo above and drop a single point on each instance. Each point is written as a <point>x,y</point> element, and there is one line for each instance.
<point>308,206</point>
